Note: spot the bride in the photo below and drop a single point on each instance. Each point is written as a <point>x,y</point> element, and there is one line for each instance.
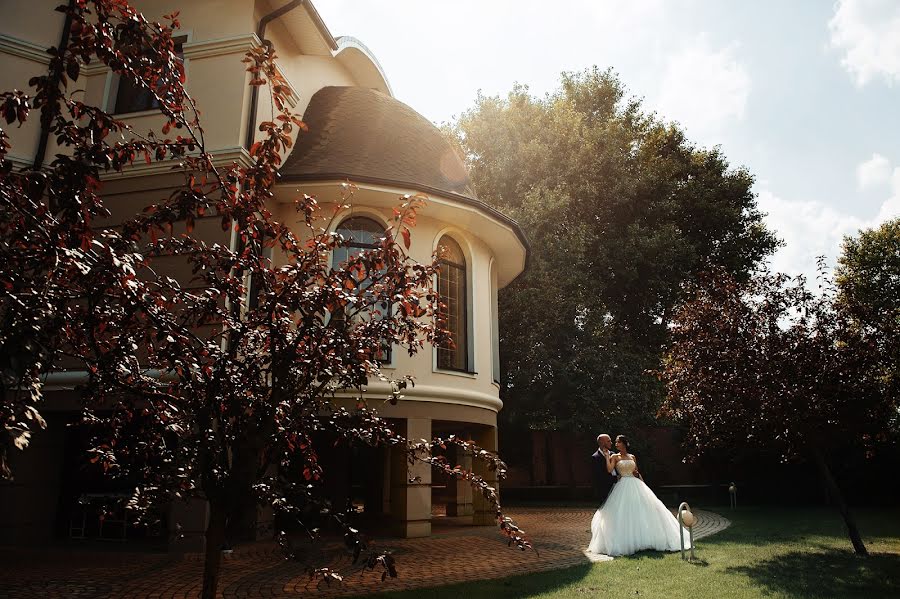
<point>632,518</point>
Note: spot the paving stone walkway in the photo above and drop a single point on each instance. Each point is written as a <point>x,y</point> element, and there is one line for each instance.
<point>455,552</point>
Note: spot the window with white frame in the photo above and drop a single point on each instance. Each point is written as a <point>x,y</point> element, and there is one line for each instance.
<point>454,354</point>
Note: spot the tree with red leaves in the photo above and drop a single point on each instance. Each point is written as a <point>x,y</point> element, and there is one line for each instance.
<point>211,388</point>
<point>770,362</point>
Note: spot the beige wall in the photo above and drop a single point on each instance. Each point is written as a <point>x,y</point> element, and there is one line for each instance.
<point>433,385</point>
<point>20,20</point>
<point>207,19</point>
<point>219,33</point>
<point>23,41</point>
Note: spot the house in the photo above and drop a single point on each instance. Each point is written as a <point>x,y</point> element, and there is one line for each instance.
<point>357,131</point>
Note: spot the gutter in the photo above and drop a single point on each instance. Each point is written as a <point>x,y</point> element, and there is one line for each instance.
<point>55,77</point>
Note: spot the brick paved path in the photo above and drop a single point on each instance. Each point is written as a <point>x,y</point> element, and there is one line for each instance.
<point>560,535</point>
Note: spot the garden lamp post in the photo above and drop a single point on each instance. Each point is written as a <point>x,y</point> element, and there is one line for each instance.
<point>687,519</point>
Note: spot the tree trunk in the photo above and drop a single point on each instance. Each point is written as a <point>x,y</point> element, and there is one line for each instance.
<point>838,498</point>
<point>215,536</point>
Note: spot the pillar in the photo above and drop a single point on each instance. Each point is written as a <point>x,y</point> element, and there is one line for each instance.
<point>485,512</point>
<point>460,504</point>
<point>387,456</point>
<point>374,481</point>
<point>411,484</point>
<point>187,525</point>
<point>538,458</point>
<point>265,523</point>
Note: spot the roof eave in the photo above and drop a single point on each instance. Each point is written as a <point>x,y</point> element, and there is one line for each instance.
<point>485,208</point>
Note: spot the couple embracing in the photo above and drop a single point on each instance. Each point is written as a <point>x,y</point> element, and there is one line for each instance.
<point>632,518</point>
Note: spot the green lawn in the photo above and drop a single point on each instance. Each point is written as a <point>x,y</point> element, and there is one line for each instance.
<point>771,553</point>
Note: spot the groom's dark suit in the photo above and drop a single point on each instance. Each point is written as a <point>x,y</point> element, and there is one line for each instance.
<point>603,480</point>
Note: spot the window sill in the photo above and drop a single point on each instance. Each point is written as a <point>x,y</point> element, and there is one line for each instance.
<point>463,373</point>
<point>138,113</point>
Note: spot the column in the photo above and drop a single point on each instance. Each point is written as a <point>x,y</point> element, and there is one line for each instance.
<point>374,477</point>
<point>265,523</point>
<point>411,484</point>
<point>485,512</point>
<point>187,525</point>
<point>386,457</point>
<point>461,503</point>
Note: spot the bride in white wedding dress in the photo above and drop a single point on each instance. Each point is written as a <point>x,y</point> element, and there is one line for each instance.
<point>632,518</point>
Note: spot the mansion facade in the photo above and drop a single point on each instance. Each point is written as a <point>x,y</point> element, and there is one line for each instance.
<point>358,132</point>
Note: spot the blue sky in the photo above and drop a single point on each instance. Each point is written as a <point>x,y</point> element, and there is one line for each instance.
<point>804,93</point>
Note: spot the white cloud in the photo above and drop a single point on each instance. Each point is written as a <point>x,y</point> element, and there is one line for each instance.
<point>868,34</point>
<point>809,230</point>
<point>873,172</point>
<point>704,88</point>
<point>812,229</point>
<point>891,206</point>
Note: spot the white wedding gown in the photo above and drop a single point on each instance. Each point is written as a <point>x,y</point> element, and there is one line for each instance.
<point>633,519</point>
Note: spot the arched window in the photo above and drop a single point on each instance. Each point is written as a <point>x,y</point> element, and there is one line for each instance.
<point>452,289</point>
<point>363,234</point>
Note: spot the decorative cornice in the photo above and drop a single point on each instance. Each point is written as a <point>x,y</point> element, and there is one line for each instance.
<point>95,68</point>
<point>200,49</point>
<point>20,161</point>
<point>431,393</point>
<point>434,393</point>
<point>24,49</point>
<point>142,169</point>
<point>225,45</point>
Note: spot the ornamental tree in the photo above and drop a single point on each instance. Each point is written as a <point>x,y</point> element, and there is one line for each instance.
<point>770,362</point>
<point>213,387</point>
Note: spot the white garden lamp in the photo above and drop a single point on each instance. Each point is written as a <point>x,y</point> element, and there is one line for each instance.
<point>686,519</point>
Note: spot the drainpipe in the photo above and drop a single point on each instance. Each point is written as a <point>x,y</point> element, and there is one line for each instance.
<point>235,244</point>
<point>254,91</point>
<point>55,76</point>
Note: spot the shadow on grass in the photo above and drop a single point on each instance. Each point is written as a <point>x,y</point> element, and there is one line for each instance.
<point>831,573</point>
<point>526,585</point>
<point>766,526</point>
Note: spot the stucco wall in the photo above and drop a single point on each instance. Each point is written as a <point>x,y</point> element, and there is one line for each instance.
<point>476,389</point>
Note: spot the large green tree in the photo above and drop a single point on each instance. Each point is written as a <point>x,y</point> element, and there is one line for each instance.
<point>868,279</point>
<point>639,210</point>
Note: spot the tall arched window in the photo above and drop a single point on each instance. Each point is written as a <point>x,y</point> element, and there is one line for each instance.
<point>362,234</point>
<point>452,289</point>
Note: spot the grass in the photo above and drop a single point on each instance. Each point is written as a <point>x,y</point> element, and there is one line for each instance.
<point>774,553</point>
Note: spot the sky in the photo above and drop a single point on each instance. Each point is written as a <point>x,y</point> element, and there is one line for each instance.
<point>805,94</point>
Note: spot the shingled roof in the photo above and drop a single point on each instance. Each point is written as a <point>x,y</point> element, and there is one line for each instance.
<point>365,135</point>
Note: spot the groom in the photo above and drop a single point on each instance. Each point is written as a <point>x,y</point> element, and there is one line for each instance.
<point>603,480</point>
